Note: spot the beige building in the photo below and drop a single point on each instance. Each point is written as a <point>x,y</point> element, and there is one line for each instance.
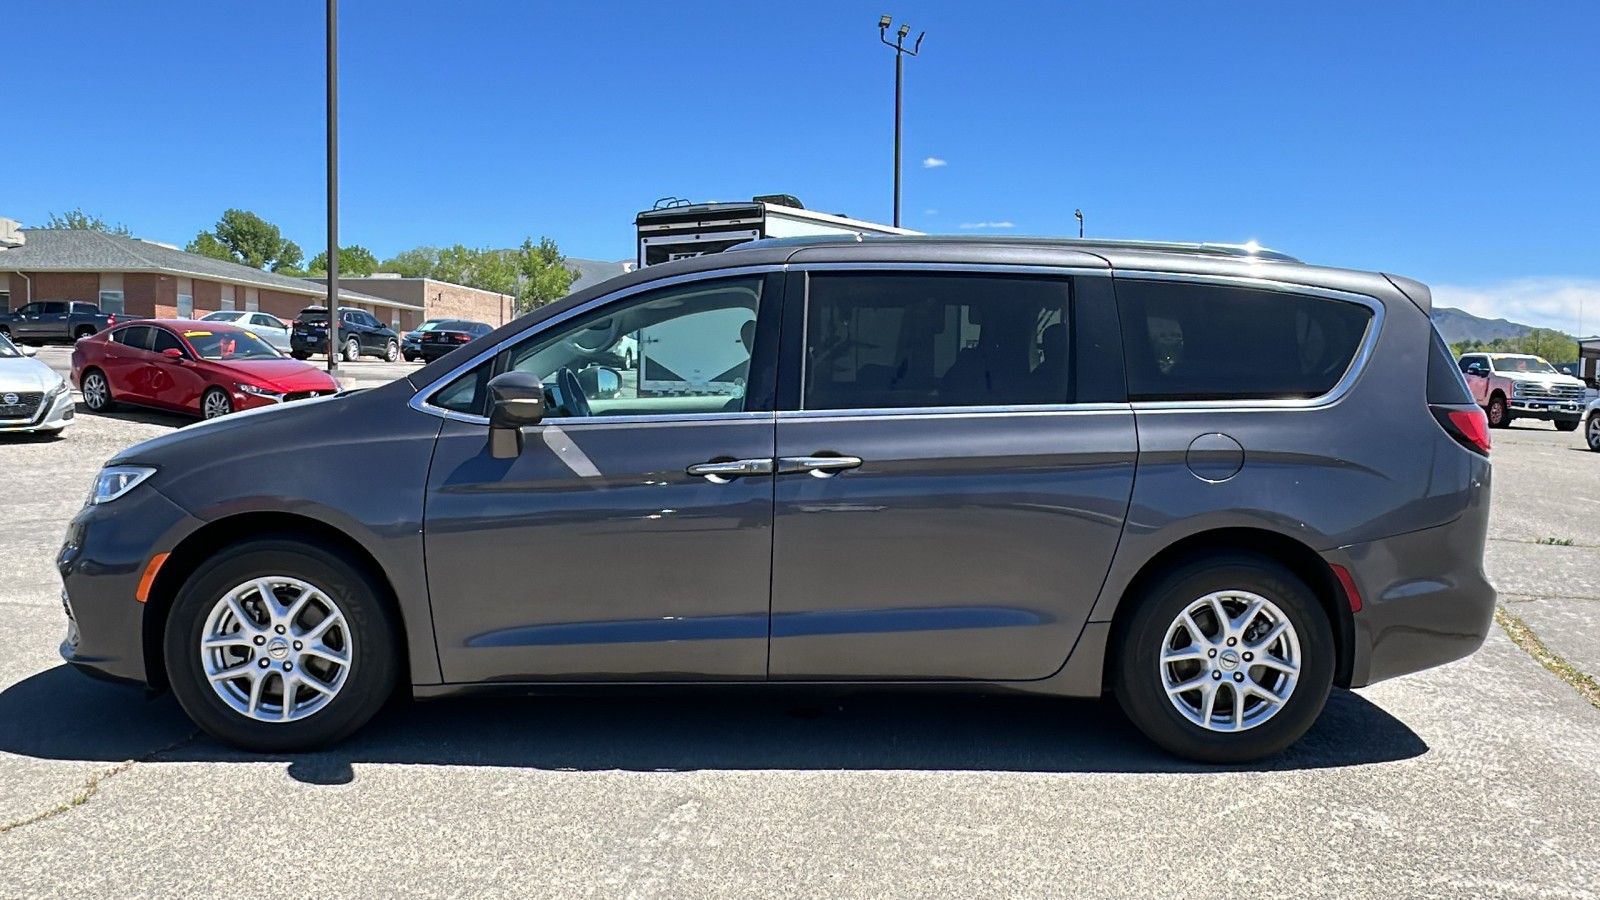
<point>425,298</point>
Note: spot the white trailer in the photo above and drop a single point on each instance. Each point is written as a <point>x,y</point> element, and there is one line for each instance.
<point>677,229</point>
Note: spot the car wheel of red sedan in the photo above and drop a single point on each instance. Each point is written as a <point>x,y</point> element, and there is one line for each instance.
<point>215,403</point>
<point>97,391</point>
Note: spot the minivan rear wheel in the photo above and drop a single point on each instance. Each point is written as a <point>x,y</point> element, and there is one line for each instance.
<point>1225,660</point>
<point>277,646</point>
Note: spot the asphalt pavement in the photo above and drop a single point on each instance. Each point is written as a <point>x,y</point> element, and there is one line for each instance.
<point>1478,779</point>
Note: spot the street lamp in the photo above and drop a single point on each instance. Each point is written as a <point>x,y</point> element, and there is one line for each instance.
<point>900,51</point>
<point>1078,213</point>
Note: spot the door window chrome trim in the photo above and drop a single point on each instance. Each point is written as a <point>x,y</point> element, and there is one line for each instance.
<point>1352,374</point>
<point>956,267</point>
<point>950,412</point>
<point>419,400</point>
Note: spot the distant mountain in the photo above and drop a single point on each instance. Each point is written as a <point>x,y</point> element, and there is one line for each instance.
<point>1457,325</point>
<point>593,271</point>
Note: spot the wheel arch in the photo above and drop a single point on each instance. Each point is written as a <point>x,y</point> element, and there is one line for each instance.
<point>212,537</point>
<point>1304,562</point>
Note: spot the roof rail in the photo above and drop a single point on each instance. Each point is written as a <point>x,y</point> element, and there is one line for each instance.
<point>1250,250</point>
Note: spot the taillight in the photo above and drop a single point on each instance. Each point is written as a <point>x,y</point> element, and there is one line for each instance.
<point>462,338</point>
<point>1470,427</point>
<point>111,320</point>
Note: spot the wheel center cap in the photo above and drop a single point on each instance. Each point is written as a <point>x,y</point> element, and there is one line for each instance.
<point>1229,660</point>
<point>278,649</point>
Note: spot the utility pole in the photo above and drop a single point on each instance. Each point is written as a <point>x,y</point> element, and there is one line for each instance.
<point>1079,214</point>
<point>333,188</point>
<point>900,52</point>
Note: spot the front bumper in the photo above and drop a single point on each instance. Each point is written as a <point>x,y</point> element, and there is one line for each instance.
<point>105,554</point>
<point>1547,410</point>
<point>52,415</point>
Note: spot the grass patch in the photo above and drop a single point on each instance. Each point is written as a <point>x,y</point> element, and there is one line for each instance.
<point>1523,637</point>
<point>1555,541</point>
<point>89,789</point>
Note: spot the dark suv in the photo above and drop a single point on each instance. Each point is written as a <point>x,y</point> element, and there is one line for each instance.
<point>1210,480</point>
<point>360,334</point>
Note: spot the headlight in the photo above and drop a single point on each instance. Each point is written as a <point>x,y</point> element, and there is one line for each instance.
<point>255,391</point>
<point>114,481</point>
<point>58,390</point>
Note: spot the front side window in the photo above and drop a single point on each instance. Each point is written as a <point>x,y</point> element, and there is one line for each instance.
<point>229,345</point>
<point>1195,341</point>
<point>1467,362</point>
<point>896,341</point>
<point>52,309</point>
<point>695,351</point>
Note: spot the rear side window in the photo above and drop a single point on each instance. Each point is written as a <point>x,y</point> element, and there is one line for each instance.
<point>135,336</point>
<point>1192,341</point>
<point>51,309</point>
<point>1445,384</point>
<point>896,341</point>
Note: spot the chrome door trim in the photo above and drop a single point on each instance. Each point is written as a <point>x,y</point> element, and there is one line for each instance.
<point>1358,363</point>
<point>419,400</point>
<point>926,412</point>
<point>977,268</point>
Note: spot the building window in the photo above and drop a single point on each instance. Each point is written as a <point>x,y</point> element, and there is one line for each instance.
<point>252,299</point>
<point>5,301</point>
<point>111,302</point>
<point>185,306</point>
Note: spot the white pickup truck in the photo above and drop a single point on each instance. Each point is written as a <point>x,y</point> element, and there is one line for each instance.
<point>1518,386</point>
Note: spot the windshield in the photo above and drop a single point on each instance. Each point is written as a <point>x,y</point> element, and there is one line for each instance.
<point>7,350</point>
<point>430,325</point>
<point>227,345</point>
<point>223,316</point>
<point>1524,364</point>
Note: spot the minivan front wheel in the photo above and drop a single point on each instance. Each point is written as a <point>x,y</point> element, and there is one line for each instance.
<point>279,646</point>
<point>1225,660</point>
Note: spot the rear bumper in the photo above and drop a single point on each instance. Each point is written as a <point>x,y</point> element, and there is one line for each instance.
<point>1425,599</point>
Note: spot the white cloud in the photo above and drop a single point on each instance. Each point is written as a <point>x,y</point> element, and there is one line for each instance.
<point>1544,302</point>
<point>988,225</point>
<point>933,162</point>
<point>930,212</point>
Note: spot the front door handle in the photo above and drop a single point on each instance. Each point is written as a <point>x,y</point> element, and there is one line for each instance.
<point>724,471</point>
<point>819,466</point>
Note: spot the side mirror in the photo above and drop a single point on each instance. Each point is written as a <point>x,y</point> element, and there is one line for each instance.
<point>516,399</point>
<point>172,353</point>
<point>28,351</point>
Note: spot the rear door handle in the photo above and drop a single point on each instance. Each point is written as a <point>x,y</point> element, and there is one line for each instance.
<point>727,470</point>
<point>819,466</point>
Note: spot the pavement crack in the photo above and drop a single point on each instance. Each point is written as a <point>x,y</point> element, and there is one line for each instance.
<point>1543,542</point>
<point>91,786</point>
<point>1523,598</point>
<point>1523,637</point>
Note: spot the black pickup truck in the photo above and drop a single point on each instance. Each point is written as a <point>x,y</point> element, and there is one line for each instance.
<point>60,321</point>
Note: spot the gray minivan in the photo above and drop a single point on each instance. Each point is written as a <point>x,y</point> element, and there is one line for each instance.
<point>1209,479</point>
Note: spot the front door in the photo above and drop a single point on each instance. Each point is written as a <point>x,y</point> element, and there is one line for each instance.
<point>617,546</point>
<point>952,488</point>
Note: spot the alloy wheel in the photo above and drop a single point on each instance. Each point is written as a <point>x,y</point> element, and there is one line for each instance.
<point>1230,661</point>
<point>95,392</point>
<point>276,649</point>
<point>393,352</point>
<point>1593,431</point>
<point>215,404</point>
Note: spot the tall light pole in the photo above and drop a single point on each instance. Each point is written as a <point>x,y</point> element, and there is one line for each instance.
<point>1078,213</point>
<point>333,185</point>
<point>900,52</point>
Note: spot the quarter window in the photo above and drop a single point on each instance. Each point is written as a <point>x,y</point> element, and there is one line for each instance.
<point>891,340</point>
<point>1188,341</point>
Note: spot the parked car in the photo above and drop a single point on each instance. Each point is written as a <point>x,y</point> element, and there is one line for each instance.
<point>1511,386</point>
<point>33,398</point>
<point>268,327</point>
<point>360,334</point>
<point>1591,425</point>
<point>209,369</point>
<point>411,341</point>
<point>1211,480</point>
<point>448,335</point>
<point>55,321</point>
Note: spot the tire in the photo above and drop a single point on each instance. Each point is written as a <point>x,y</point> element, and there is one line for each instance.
<point>1140,678</point>
<point>215,403</point>
<point>97,391</point>
<point>363,633</point>
<point>1499,413</point>
<point>627,361</point>
<point>82,333</point>
<point>1567,425</point>
<point>411,357</point>
<point>352,350</point>
<point>391,353</point>
<point>1591,434</point>
<point>300,356</point>
<point>5,332</point>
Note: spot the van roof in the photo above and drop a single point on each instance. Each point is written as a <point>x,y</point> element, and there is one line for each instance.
<point>1236,251</point>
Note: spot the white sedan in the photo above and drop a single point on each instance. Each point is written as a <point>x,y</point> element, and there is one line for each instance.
<point>269,328</point>
<point>33,398</point>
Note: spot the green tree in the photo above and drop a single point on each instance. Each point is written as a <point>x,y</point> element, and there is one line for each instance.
<point>355,261</point>
<point>1554,346</point>
<point>417,262</point>
<point>545,275</point>
<point>78,220</point>
<point>249,240</point>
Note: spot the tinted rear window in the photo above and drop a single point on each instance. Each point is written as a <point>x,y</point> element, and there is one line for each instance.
<point>1445,384</point>
<point>1190,341</point>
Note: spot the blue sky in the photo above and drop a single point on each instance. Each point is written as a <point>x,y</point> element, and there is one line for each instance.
<point>1456,143</point>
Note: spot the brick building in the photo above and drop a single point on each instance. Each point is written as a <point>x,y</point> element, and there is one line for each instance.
<point>436,299</point>
<point>143,278</point>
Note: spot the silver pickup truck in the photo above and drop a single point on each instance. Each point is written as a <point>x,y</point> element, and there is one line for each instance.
<point>1513,386</point>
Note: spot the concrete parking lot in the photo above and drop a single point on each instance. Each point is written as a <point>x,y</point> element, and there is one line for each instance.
<point>1479,779</point>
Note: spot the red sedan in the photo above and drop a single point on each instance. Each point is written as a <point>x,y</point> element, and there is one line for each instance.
<point>202,368</point>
